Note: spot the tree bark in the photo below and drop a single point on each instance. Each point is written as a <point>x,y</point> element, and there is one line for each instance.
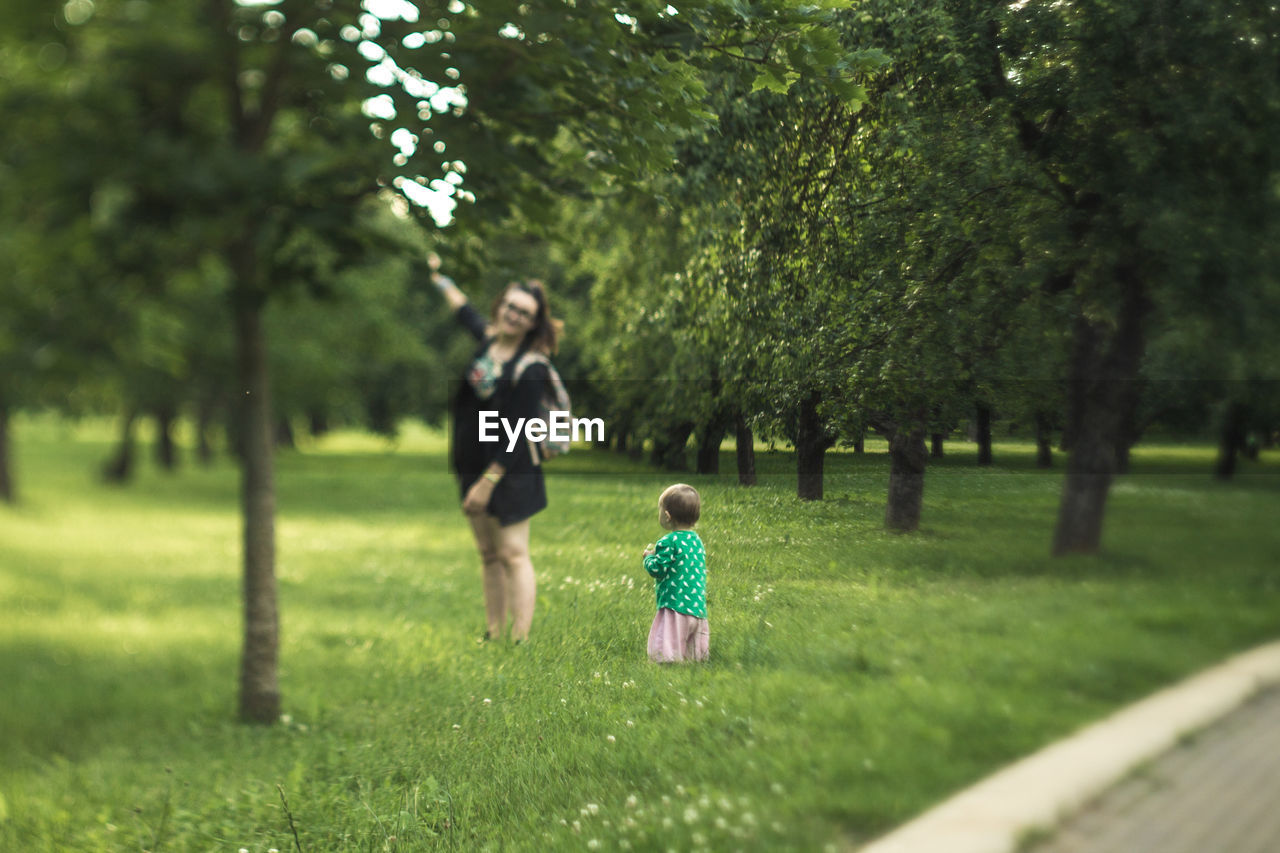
<point>935,445</point>
<point>284,434</point>
<point>259,682</point>
<point>1230,440</point>
<point>669,453</point>
<point>1103,369</point>
<point>709,441</point>
<point>7,493</point>
<point>119,468</point>
<point>1130,394</point>
<point>746,451</point>
<point>204,422</point>
<point>811,448</point>
<point>983,428</point>
<point>317,422</point>
<point>1044,441</point>
<point>907,459</point>
<point>166,449</point>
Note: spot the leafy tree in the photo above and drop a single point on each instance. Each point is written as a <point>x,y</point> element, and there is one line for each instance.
<point>260,144</point>
<point>1160,179</point>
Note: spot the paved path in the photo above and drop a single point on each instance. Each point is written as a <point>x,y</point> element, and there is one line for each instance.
<point>1217,793</point>
<point>1194,767</point>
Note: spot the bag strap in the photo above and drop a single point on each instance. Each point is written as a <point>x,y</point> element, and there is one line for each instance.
<point>527,360</point>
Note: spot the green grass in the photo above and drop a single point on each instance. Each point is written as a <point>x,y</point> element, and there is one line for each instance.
<point>857,676</point>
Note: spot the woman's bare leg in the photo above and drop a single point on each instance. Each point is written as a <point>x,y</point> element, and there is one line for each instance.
<point>521,587</point>
<point>486,531</point>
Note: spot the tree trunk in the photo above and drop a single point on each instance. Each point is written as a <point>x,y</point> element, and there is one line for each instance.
<point>1230,440</point>
<point>259,683</point>
<point>983,427</point>
<point>709,442</point>
<point>1044,441</point>
<point>860,441</point>
<point>6,458</point>
<point>935,445</point>
<point>811,448</point>
<point>669,452</point>
<point>746,442</point>
<point>119,468</point>
<point>907,459</point>
<point>1130,429</point>
<point>284,435</point>
<point>1103,370</point>
<point>317,422</point>
<point>166,449</point>
<point>204,422</point>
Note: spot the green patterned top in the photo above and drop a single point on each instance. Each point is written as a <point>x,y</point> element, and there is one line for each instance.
<point>679,564</point>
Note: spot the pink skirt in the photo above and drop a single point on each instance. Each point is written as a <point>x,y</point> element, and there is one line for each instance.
<point>678,637</point>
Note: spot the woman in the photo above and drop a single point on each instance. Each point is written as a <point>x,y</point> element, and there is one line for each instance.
<point>501,488</point>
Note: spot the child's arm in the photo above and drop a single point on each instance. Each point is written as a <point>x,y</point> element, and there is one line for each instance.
<point>658,561</point>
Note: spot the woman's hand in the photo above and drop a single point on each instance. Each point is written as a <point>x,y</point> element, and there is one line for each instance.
<point>477,499</point>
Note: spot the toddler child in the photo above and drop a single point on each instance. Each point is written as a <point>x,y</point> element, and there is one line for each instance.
<point>679,565</point>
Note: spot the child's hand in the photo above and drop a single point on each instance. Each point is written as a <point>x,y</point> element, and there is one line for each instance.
<point>648,549</point>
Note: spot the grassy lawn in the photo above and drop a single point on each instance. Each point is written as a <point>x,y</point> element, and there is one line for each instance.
<point>857,676</point>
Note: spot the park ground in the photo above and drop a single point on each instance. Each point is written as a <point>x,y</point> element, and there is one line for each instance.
<point>857,676</point>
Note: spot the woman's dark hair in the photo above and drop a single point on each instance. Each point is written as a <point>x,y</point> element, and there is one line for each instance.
<point>545,334</point>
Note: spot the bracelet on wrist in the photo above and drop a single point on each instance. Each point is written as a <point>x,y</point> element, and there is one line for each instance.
<point>492,477</point>
<point>442,282</point>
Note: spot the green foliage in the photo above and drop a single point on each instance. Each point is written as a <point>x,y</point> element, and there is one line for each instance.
<point>856,678</point>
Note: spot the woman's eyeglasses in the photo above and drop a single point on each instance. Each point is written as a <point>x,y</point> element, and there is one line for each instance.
<point>522,313</point>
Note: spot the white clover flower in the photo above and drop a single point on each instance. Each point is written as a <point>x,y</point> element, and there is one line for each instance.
<point>776,787</point>
<point>721,823</point>
<point>577,826</point>
<point>668,822</point>
<point>631,801</point>
<point>593,844</point>
<point>690,814</point>
<point>704,801</point>
<point>666,801</point>
<point>698,838</point>
<point>593,808</point>
<point>724,804</point>
<point>631,724</point>
<point>680,790</point>
<point>564,822</point>
<point>748,818</point>
<point>488,702</point>
<point>244,850</point>
<point>456,727</point>
<point>286,718</point>
<point>611,739</point>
